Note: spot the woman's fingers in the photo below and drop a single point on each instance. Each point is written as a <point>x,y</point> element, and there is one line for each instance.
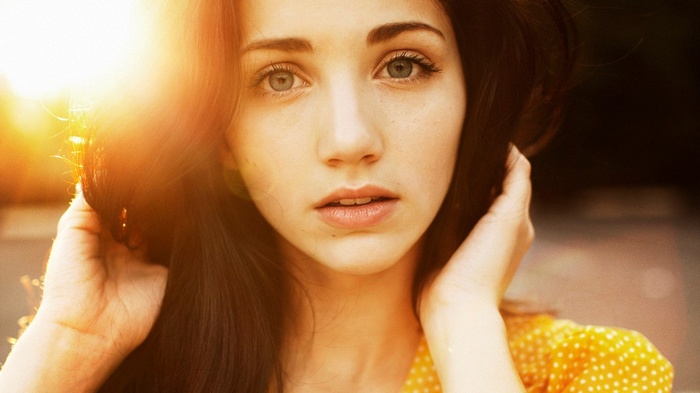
<point>100,302</point>
<point>96,285</point>
<point>514,200</point>
<point>486,261</point>
<point>80,216</point>
<point>76,251</point>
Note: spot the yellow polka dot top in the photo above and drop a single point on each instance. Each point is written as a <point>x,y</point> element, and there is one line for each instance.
<point>560,356</point>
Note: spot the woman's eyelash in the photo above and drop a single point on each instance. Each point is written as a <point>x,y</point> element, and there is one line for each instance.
<point>422,61</point>
<point>265,72</point>
<point>428,67</point>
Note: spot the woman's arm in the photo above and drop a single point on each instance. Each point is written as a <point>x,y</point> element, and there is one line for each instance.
<point>100,301</point>
<point>460,309</point>
<point>54,358</point>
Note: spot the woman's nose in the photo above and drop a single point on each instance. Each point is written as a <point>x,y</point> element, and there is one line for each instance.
<point>350,132</point>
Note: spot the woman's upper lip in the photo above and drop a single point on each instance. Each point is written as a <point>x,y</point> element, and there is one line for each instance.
<point>368,191</point>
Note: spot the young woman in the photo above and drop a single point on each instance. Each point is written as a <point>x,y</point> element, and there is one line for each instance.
<point>328,199</point>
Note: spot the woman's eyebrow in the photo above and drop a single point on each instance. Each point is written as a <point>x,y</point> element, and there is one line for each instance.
<point>290,44</point>
<point>388,31</point>
<point>377,35</point>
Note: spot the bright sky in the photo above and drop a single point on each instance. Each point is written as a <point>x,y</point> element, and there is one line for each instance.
<point>52,46</point>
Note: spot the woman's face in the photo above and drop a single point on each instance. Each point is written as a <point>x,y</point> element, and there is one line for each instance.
<point>349,126</point>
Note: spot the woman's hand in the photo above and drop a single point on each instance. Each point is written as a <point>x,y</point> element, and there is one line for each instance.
<point>97,286</point>
<point>100,302</point>
<point>482,267</point>
<point>459,308</point>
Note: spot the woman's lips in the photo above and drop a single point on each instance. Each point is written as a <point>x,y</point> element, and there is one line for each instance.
<point>357,208</point>
<point>358,216</point>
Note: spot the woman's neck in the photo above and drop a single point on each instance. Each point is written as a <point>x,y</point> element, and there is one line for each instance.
<point>352,333</point>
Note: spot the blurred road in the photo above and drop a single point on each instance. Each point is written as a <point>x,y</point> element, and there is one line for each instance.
<point>611,259</point>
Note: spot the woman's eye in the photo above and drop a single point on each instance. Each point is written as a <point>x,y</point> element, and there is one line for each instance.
<point>278,78</point>
<point>400,68</point>
<point>408,66</point>
<point>281,80</point>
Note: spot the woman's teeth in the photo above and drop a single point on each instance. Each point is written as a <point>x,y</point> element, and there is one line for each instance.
<point>355,201</point>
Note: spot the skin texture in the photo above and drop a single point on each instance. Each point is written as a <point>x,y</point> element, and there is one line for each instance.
<point>347,123</point>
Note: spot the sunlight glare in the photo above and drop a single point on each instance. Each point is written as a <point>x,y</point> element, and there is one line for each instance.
<point>50,46</point>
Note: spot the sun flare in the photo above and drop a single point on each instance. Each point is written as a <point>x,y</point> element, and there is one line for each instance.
<point>52,46</point>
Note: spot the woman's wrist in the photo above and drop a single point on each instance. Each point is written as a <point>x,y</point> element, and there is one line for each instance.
<point>50,357</point>
<point>469,346</point>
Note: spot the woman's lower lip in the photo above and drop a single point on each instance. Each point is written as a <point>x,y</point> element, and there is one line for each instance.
<point>358,216</point>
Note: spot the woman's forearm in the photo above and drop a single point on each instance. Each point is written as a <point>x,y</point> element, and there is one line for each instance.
<point>54,358</point>
<point>471,353</point>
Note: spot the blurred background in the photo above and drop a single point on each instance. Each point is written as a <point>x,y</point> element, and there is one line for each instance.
<point>617,193</point>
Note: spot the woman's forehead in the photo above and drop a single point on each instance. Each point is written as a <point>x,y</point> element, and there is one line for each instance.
<point>270,19</point>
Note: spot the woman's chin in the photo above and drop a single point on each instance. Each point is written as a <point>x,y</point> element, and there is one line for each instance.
<point>355,258</point>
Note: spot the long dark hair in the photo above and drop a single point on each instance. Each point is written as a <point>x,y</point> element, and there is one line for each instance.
<point>151,161</point>
<point>518,57</point>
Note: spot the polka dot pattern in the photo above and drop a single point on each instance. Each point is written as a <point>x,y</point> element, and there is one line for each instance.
<point>560,356</point>
<point>422,378</point>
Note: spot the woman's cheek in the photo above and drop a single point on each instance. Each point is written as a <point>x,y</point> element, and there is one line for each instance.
<point>251,142</point>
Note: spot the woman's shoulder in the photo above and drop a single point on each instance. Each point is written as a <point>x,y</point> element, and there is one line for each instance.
<point>557,355</point>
